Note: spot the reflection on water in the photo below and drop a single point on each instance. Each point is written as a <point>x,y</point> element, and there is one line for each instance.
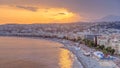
<point>65,60</point>
<point>33,53</point>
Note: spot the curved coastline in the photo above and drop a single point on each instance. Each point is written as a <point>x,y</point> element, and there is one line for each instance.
<point>86,62</point>
<point>52,40</point>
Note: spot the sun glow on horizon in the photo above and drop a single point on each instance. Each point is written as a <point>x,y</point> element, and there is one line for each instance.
<point>28,15</point>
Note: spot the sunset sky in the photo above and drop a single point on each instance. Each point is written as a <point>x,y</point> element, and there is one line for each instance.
<point>56,11</point>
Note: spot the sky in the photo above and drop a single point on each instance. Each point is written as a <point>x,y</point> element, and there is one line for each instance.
<point>56,11</point>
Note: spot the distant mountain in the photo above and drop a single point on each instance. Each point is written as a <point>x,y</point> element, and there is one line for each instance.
<point>107,25</point>
<point>109,18</point>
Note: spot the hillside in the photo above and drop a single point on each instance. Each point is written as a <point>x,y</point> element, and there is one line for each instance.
<point>107,25</point>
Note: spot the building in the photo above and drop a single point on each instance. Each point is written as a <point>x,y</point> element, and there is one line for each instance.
<point>103,40</point>
<point>115,43</point>
<point>112,41</point>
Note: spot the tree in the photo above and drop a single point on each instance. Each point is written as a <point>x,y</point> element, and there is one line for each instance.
<point>102,47</point>
<point>108,49</point>
<point>97,46</point>
<point>91,43</point>
<point>112,51</point>
<point>104,51</point>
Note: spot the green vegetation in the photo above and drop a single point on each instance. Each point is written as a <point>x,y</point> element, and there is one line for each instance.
<point>105,50</point>
<point>89,43</point>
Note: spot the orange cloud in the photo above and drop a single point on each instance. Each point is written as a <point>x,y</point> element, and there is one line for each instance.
<point>25,15</point>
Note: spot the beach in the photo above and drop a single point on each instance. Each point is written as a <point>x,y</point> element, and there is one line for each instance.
<point>71,55</point>
<point>86,61</point>
<point>16,52</point>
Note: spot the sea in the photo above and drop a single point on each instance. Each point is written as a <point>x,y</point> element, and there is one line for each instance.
<point>19,52</point>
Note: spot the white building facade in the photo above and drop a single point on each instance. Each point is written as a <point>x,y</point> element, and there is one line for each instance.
<point>110,41</point>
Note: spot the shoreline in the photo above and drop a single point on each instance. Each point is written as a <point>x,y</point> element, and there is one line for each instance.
<point>53,40</point>
<point>86,62</point>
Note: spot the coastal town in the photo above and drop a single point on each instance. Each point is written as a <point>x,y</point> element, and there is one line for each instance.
<point>59,34</point>
<point>94,48</point>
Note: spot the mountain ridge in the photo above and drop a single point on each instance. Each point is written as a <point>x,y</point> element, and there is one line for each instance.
<point>109,18</point>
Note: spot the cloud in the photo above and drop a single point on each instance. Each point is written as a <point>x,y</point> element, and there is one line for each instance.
<point>27,8</point>
<point>58,14</point>
<point>89,9</point>
<point>61,13</point>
